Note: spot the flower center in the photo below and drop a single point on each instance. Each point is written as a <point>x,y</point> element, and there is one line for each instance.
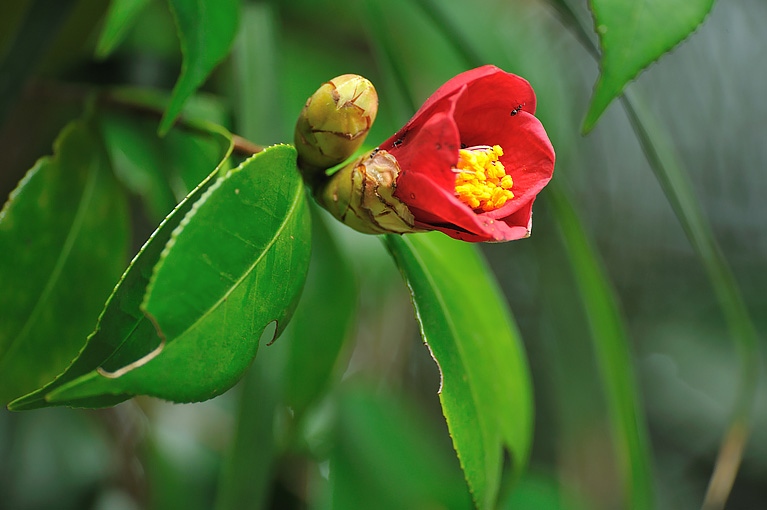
<point>482,183</point>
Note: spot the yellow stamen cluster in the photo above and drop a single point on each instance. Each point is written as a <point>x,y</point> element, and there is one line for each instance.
<point>482,183</point>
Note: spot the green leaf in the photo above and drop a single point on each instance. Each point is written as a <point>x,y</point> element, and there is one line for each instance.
<point>613,353</point>
<point>121,16</point>
<point>63,242</point>
<point>124,333</point>
<point>206,29</point>
<point>386,456</point>
<point>254,63</point>
<point>236,263</point>
<point>137,158</point>
<point>162,171</point>
<point>541,491</point>
<point>486,392</point>
<point>199,108</point>
<point>632,35</point>
<point>323,322</point>
<point>245,478</point>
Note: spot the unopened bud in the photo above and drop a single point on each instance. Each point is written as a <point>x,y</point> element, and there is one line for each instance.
<point>334,122</point>
<point>361,195</point>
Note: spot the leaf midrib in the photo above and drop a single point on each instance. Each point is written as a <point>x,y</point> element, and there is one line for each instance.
<point>74,232</point>
<point>287,219</point>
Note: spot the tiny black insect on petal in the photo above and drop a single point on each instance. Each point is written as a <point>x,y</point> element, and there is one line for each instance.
<point>517,109</point>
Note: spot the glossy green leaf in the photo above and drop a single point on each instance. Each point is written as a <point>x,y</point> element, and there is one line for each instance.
<point>121,16</point>
<point>124,333</point>
<point>236,263</point>
<point>613,352</point>
<point>632,35</point>
<point>206,29</point>
<point>486,392</point>
<point>63,242</point>
<point>386,456</point>
<point>324,321</point>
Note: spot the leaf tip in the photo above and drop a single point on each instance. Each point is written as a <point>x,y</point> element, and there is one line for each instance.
<point>167,121</point>
<point>599,103</point>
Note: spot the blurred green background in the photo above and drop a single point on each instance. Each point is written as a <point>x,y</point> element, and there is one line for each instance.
<point>707,101</point>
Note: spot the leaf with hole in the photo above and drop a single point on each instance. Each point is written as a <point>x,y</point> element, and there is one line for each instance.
<point>123,333</point>
<point>236,262</point>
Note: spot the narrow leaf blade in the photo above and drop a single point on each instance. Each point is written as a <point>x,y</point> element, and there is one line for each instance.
<point>614,358</point>
<point>486,392</point>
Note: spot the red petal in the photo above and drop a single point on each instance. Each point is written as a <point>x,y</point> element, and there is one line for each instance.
<point>529,159</point>
<point>439,209</point>
<point>474,108</point>
<point>488,88</point>
<point>432,150</point>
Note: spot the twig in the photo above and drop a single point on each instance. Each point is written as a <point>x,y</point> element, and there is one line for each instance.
<point>245,147</point>
<point>79,93</point>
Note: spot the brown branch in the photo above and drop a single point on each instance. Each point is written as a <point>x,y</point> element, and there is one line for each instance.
<point>245,147</point>
<point>78,93</point>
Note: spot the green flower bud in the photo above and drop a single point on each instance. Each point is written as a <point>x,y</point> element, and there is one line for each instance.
<point>334,123</point>
<point>361,195</point>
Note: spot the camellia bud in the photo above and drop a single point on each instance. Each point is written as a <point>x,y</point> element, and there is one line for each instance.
<point>361,195</point>
<point>334,123</point>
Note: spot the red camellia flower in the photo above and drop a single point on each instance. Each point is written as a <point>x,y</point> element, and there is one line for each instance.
<point>473,158</point>
<point>469,163</point>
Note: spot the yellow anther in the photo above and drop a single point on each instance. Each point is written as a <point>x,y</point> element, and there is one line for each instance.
<point>481,181</point>
<point>496,171</point>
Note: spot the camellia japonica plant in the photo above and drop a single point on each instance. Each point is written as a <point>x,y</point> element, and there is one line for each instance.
<point>185,319</point>
<point>187,235</point>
